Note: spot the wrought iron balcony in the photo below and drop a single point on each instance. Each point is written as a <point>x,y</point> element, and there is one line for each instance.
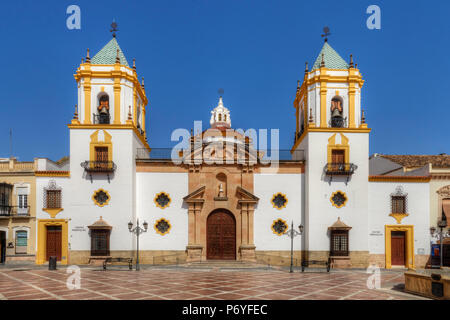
<point>99,166</point>
<point>340,169</point>
<point>102,118</point>
<point>344,169</point>
<point>14,211</point>
<point>338,122</point>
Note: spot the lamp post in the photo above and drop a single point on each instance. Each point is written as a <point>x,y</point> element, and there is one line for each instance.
<point>291,233</point>
<point>442,223</point>
<point>137,231</point>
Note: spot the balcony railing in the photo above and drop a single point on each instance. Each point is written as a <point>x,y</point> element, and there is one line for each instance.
<point>263,155</point>
<point>338,122</point>
<point>102,118</point>
<point>14,211</point>
<point>340,168</point>
<point>99,166</point>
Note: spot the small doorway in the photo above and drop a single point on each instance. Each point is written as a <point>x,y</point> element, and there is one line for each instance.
<point>2,246</point>
<point>398,248</point>
<point>54,245</point>
<point>221,236</point>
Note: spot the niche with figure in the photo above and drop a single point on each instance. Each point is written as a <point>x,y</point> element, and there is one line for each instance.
<point>103,116</point>
<point>221,182</point>
<point>337,112</point>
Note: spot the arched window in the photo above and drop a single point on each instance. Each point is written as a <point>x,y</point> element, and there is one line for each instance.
<point>103,116</point>
<point>337,112</point>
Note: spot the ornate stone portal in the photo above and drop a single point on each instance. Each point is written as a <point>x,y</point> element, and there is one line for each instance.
<point>220,183</point>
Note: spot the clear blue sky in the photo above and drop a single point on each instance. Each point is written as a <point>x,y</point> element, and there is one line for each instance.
<point>254,50</point>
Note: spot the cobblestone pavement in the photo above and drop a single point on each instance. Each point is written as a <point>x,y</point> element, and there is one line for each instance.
<point>214,284</point>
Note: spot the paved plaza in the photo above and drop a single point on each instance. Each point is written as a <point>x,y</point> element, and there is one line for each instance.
<point>196,284</point>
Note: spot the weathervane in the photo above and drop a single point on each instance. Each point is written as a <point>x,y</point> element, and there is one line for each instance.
<point>326,33</point>
<point>114,28</point>
<point>220,92</point>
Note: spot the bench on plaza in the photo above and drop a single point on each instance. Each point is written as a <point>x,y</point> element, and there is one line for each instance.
<point>307,263</point>
<point>111,260</point>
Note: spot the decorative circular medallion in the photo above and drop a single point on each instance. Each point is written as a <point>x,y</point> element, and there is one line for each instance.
<point>162,200</point>
<point>279,227</point>
<point>101,197</point>
<point>279,201</point>
<point>162,226</point>
<point>338,199</point>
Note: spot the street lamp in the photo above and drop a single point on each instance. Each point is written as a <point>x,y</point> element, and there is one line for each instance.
<point>291,233</point>
<point>137,231</point>
<point>442,223</point>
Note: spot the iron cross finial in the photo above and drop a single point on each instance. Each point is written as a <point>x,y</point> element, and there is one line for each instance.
<point>326,33</point>
<point>114,28</point>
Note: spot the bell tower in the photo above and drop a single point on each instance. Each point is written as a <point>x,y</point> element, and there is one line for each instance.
<point>332,131</point>
<point>108,129</point>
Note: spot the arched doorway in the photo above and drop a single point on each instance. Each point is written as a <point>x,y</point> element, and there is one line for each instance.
<point>221,236</point>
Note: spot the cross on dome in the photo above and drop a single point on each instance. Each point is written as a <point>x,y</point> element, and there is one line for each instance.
<point>220,116</point>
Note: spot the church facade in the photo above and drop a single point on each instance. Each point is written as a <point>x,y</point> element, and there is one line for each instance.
<point>218,197</point>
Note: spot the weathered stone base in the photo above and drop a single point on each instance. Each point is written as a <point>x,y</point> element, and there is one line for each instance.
<point>247,253</point>
<point>145,256</point>
<point>420,260</point>
<point>194,253</point>
<point>19,259</point>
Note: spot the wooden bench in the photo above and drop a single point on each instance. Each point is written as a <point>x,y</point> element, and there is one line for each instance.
<point>110,260</point>
<point>306,263</point>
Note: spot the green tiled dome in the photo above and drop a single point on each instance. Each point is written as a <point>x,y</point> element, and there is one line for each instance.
<point>331,58</point>
<point>108,54</point>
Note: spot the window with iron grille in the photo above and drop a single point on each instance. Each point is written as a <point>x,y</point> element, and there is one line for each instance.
<point>52,196</point>
<point>339,243</point>
<point>399,201</point>
<point>398,204</point>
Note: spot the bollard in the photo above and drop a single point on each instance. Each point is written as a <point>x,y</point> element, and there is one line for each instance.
<point>52,263</point>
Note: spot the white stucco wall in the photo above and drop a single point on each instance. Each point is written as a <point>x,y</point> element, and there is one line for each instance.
<point>149,184</point>
<point>265,186</point>
<point>418,208</point>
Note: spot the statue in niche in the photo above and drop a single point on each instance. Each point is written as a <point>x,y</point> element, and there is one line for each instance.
<point>221,192</point>
<point>103,110</point>
<point>337,112</point>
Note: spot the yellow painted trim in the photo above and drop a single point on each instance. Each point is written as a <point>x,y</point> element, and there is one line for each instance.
<point>112,126</point>
<point>399,216</point>
<point>156,197</point>
<point>409,238</point>
<point>42,239</point>
<point>135,106</point>
<point>116,73</point>
<point>346,130</point>
<point>273,198</point>
<point>334,204</point>
<point>100,204</point>
<point>333,146</point>
<point>95,143</point>
<point>159,232</point>
<point>418,179</point>
<point>351,105</point>
<point>52,211</point>
<point>52,173</point>
<point>275,221</point>
<point>117,89</point>
<point>87,100</point>
<point>323,104</point>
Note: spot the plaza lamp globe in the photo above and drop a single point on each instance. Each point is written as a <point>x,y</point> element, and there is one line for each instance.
<point>300,228</point>
<point>145,225</point>
<point>130,225</point>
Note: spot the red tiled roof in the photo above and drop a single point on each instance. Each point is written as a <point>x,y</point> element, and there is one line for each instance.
<point>437,161</point>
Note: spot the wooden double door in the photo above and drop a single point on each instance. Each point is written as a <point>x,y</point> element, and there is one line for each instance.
<point>398,248</point>
<point>54,242</point>
<point>221,236</point>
